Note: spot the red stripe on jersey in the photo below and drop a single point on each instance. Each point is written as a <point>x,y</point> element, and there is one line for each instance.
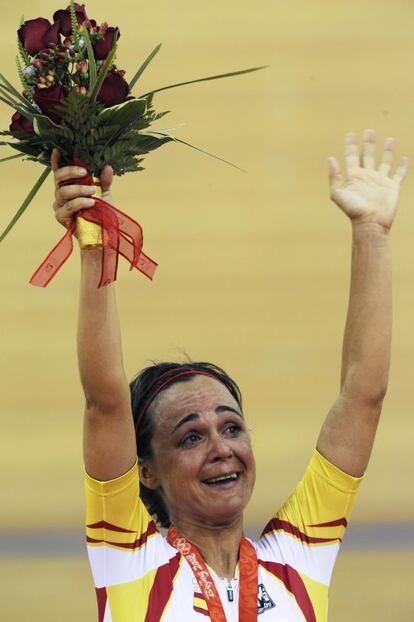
<point>129,545</point>
<point>101,597</point>
<point>203,611</point>
<point>282,525</point>
<point>162,589</point>
<point>294,584</point>
<point>340,522</point>
<point>105,525</point>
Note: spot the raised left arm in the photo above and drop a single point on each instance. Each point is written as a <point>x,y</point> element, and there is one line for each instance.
<point>369,197</point>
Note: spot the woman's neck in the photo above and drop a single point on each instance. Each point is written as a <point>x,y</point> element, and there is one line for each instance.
<point>218,545</point>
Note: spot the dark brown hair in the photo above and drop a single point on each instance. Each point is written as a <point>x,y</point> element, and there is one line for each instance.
<point>143,386</point>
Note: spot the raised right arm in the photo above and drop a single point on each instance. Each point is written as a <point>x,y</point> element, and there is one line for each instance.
<point>109,435</point>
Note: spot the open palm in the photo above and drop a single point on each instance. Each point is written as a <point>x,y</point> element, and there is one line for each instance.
<point>367,194</point>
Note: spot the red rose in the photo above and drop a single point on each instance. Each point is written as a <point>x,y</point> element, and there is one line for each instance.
<point>21,124</point>
<point>102,47</point>
<point>47,100</point>
<point>114,89</point>
<point>62,17</point>
<point>36,34</point>
<point>52,36</point>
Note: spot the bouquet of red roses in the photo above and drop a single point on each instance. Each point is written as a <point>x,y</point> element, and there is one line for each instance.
<point>75,98</point>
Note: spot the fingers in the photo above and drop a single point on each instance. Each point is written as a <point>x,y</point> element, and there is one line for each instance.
<point>68,172</point>
<point>351,152</point>
<point>54,160</point>
<point>386,162</point>
<point>402,170</point>
<point>71,207</point>
<point>387,156</point>
<point>64,194</point>
<point>352,155</point>
<point>107,177</point>
<point>335,177</point>
<point>368,155</point>
<point>64,213</point>
<point>72,198</point>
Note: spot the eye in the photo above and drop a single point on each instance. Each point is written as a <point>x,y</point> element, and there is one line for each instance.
<point>233,429</point>
<point>190,440</point>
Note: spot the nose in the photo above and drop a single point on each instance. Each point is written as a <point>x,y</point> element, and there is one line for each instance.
<point>220,448</point>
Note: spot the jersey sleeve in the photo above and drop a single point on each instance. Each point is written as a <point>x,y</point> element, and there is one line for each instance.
<point>121,535</point>
<point>307,531</point>
<point>128,555</point>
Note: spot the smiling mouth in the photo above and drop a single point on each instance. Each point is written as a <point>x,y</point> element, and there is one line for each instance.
<point>223,480</point>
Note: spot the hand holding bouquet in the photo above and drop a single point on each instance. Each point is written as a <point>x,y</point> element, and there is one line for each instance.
<point>75,99</point>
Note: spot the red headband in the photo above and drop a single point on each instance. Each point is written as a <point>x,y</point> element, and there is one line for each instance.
<point>186,372</point>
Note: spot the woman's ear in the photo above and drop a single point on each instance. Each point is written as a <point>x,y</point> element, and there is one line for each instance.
<point>147,475</point>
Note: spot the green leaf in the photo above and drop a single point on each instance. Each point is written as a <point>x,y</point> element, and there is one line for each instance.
<point>9,99</point>
<point>104,70</point>
<point>144,66</point>
<point>123,114</point>
<point>33,149</point>
<point>74,24</point>
<point>26,202</point>
<point>223,75</point>
<point>23,54</point>
<point>124,118</point>
<point>8,86</point>
<point>19,155</point>
<point>26,149</point>
<point>91,59</point>
<point>45,128</point>
<point>20,72</point>
<point>167,129</point>
<point>159,115</point>
<point>32,139</point>
<point>16,107</point>
<point>183,142</point>
<point>150,143</point>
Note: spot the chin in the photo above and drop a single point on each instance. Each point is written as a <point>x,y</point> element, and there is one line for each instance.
<point>226,514</point>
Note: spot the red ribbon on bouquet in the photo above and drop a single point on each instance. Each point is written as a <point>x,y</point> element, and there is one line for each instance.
<point>121,235</point>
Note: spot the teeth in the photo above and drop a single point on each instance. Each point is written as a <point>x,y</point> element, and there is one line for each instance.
<point>223,477</point>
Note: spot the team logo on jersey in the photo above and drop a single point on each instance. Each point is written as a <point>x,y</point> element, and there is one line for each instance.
<point>264,602</point>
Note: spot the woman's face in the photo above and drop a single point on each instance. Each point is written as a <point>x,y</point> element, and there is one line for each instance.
<point>203,462</point>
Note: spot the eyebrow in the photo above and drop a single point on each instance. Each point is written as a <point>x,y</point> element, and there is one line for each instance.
<point>193,416</point>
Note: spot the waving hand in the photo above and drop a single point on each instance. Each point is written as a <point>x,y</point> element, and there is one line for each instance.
<point>367,193</point>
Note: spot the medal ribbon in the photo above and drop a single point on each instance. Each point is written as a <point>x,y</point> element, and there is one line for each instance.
<point>248,577</point>
<point>121,235</point>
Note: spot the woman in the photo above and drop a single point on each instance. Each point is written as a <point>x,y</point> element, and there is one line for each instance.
<point>196,467</point>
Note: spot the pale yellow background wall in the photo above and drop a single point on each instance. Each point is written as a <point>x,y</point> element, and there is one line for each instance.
<point>253,267</point>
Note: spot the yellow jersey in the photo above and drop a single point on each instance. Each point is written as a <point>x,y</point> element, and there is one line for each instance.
<point>139,577</point>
